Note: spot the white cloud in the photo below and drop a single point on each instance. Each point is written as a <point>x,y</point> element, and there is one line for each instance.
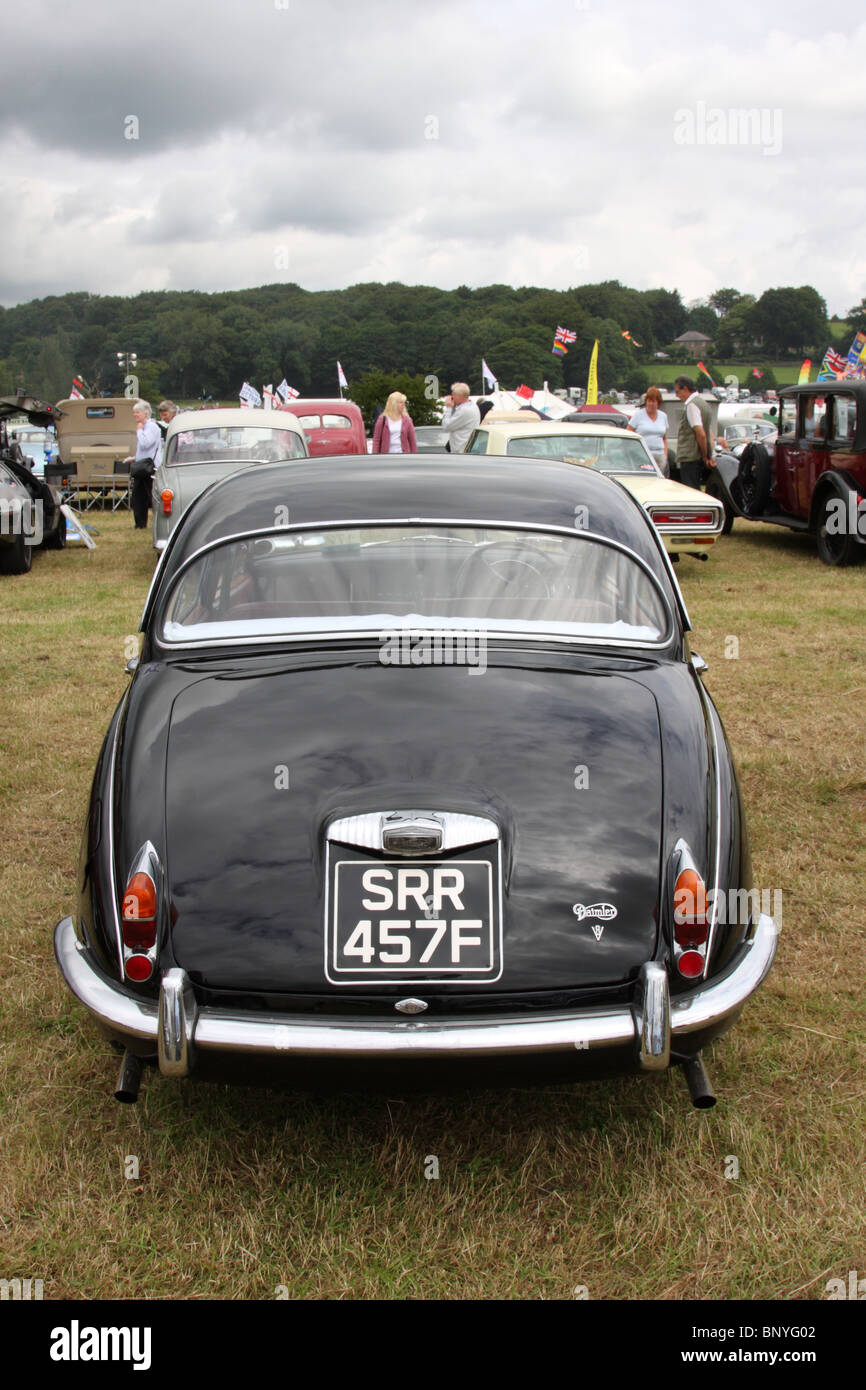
<point>554,159</point>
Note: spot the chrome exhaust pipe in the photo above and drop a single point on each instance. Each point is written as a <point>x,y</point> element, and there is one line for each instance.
<point>702,1094</point>
<point>129,1080</point>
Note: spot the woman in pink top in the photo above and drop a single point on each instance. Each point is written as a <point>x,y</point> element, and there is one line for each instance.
<point>394,432</point>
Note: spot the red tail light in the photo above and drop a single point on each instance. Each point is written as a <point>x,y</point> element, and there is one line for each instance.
<point>691,964</point>
<point>167,498</point>
<point>138,915</point>
<point>682,518</point>
<point>691,916</point>
<point>138,967</point>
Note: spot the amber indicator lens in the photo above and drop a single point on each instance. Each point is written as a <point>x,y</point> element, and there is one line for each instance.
<point>138,914</point>
<point>690,909</point>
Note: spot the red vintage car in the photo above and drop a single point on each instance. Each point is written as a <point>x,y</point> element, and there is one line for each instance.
<point>331,426</point>
<point>814,479</point>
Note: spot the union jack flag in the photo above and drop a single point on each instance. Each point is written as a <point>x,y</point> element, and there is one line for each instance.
<point>834,361</point>
<point>565,335</point>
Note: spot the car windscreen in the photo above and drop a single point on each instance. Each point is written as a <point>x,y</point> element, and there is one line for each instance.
<point>497,579</point>
<point>244,443</point>
<point>607,453</point>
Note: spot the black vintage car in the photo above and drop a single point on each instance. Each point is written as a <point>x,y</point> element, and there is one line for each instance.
<point>416,774</point>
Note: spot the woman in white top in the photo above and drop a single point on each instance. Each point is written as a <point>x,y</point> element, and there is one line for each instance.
<point>651,424</point>
<point>394,432</point>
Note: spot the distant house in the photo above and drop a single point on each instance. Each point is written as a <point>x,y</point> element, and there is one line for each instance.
<point>693,343</point>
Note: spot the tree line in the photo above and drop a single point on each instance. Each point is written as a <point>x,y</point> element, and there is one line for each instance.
<point>192,345</point>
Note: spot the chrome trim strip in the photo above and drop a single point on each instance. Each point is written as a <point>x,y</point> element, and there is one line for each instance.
<point>219,1030</point>
<point>360,523</point>
<point>113,884</point>
<point>368,634</point>
<point>717,857</point>
<point>653,1017</point>
<point>458,830</point>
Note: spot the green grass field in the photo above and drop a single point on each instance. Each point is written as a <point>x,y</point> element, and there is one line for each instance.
<point>620,1186</point>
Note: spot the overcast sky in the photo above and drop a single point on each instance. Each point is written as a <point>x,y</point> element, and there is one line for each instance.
<point>330,142</point>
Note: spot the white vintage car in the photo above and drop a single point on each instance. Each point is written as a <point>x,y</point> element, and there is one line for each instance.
<point>687,520</point>
<point>202,446</point>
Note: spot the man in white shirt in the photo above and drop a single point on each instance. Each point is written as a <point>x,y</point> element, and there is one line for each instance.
<point>460,417</point>
<point>148,453</point>
<point>695,435</point>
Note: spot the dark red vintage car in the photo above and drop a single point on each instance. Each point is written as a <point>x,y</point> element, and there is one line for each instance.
<point>814,479</point>
<point>330,426</point>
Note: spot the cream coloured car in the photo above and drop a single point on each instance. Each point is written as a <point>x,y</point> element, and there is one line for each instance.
<point>688,521</point>
<point>203,446</point>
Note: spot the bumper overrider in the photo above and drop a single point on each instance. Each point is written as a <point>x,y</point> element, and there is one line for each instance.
<point>654,1030</point>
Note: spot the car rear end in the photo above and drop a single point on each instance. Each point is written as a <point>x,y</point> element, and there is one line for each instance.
<point>688,521</point>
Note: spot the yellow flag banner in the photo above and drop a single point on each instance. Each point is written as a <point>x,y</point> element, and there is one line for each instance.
<point>592,383</point>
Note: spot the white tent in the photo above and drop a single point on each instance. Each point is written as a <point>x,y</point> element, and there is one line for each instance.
<point>544,400</point>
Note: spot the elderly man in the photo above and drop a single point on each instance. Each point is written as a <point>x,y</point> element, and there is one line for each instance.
<point>460,417</point>
<point>166,410</point>
<point>142,464</point>
<point>695,434</point>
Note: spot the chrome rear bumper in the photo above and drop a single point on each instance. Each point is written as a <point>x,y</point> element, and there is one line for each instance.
<point>178,1028</point>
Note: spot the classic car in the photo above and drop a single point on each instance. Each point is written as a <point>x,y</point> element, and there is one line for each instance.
<point>423,783</point>
<point>95,436</point>
<point>30,514</point>
<point>331,426</point>
<point>688,520</point>
<point>598,414</point>
<point>813,478</point>
<point>430,439</point>
<point>734,437</point>
<point>202,446</point>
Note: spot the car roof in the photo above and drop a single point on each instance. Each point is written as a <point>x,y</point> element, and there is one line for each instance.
<point>473,488</point>
<point>521,430</point>
<point>232,415</point>
<point>820,388</point>
<point>325,405</point>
